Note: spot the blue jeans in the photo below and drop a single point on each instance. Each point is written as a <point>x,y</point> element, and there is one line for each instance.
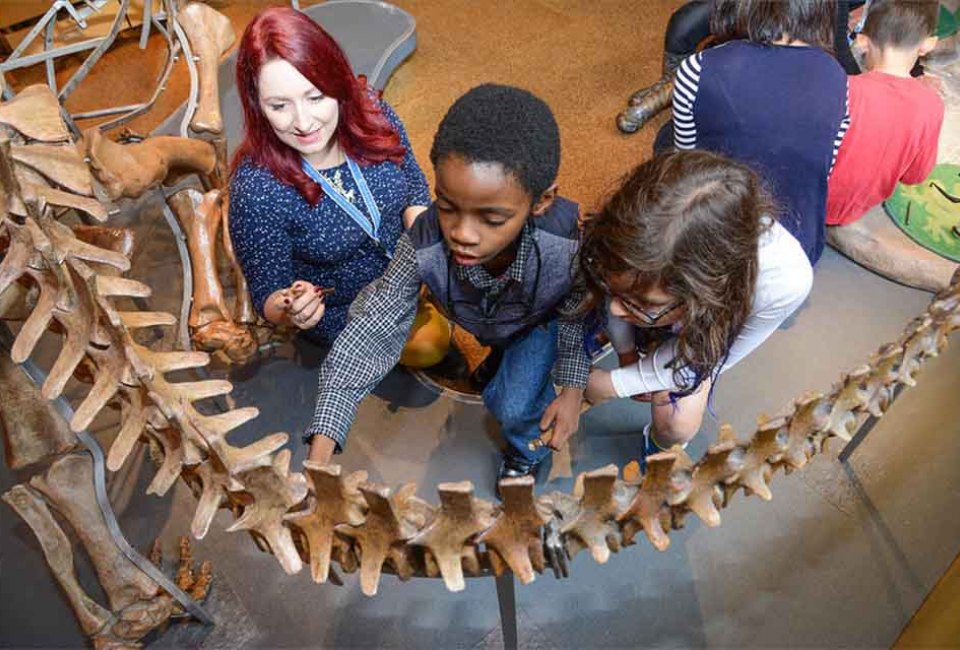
<point>522,388</point>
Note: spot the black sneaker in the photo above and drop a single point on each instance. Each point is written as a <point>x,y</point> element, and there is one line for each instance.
<point>513,467</point>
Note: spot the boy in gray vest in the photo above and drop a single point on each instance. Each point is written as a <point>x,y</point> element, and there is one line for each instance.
<point>497,250</point>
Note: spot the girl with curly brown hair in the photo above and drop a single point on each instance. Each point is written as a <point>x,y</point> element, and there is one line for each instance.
<point>694,274</point>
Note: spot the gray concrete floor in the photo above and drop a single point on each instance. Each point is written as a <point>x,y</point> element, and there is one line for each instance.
<point>842,556</point>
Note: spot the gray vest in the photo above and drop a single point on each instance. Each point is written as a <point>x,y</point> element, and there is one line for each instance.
<point>521,306</point>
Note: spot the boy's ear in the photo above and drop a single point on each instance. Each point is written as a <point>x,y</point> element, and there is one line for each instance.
<point>927,45</point>
<point>545,201</point>
<point>863,42</point>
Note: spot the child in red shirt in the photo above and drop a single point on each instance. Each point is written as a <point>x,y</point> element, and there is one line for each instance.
<point>894,119</point>
<point>894,127</point>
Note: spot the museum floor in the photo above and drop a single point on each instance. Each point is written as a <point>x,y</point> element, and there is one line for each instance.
<point>842,556</point>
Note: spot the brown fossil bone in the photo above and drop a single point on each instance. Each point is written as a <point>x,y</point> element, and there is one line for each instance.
<point>131,169</point>
<point>274,490</point>
<point>884,371</point>
<point>850,401</point>
<point>334,500</point>
<point>761,455</point>
<point>35,112</point>
<point>602,498</point>
<point>391,520</point>
<point>59,555</point>
<point>449,537</point>
<point>919,343</point>
<point>68,485</point>
<point>514,539</point>
<point>719,465</point>
<point>62,164</point>
<point>666,480</point>
<point>118,240</point>
<point>243,311</point>
<point>210,34</point>
<point>200,216</point>
<point>806,427</point>
<point>33,430</point>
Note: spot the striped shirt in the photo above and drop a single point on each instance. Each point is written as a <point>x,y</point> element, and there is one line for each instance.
<point>781,109</point>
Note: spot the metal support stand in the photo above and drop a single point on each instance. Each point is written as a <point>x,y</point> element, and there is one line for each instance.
<point>866,428</point>
<point>507,599</point>
<point>38,376</point>
<point>183,331</point>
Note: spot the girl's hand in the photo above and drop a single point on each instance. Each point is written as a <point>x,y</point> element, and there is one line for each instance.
<point>599,387</point>
<point>561,419</point>
<point>304,304</point>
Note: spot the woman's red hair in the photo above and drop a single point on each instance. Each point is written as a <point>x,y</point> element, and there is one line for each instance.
<point>363,132</point>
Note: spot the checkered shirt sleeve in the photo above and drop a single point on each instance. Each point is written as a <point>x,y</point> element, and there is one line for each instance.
<point>573,363</point>
<point>378,323</point>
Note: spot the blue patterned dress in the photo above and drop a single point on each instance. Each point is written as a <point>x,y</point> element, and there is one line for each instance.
<point>280,238</point>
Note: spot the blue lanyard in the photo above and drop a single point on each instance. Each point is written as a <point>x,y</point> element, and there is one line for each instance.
<point>369,225</point>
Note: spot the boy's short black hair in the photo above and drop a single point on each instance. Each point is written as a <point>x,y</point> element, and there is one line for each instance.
<point>505,125</point>
<point>901,23</point>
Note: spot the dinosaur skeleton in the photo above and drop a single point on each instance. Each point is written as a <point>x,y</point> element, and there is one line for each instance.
<point>324,516</point>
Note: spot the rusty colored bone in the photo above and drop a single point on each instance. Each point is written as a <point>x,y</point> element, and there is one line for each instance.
<point>210,34</point>
<point>243,311</point>
<point>213,329</point>
<point>130,170</point>
<point>667,477</point>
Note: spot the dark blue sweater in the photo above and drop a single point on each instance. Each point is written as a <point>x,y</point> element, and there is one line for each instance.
<point>280,238</point>
<point>781,110</point>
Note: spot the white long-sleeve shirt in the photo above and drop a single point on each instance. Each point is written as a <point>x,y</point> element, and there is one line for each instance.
<point>783,283</point>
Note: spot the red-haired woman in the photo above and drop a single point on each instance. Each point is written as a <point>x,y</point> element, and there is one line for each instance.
<point>325,178</point>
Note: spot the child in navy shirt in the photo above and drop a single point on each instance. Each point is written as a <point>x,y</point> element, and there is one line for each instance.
<point>774,99</point>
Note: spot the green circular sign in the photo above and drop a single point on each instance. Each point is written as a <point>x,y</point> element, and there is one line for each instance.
<point>929,212</point>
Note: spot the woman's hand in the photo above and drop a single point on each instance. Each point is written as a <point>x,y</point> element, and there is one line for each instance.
<point>561,419</point>
<point>599,387</point>
<point>305,307</point>
<point>300,305</point>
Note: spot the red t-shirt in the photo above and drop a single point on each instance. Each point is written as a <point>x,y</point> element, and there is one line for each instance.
<point>894,127</point>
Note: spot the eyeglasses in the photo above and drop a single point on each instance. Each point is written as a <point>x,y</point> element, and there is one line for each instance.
<point>635,310</point>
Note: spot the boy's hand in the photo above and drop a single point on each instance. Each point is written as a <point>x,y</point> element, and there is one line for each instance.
<point>321,450</point>
<point>599,387</point>
<point>562,418</point>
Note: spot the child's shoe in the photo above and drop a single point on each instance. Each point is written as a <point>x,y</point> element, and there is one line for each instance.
<point>512,466</point>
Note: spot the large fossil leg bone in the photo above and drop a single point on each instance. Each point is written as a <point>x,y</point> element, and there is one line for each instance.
<point>68,486</point>
<point>213,329</point>
<point>243,311</point>
<point>131,169</point>
<point>210,35</point>
<point>59,555</point>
